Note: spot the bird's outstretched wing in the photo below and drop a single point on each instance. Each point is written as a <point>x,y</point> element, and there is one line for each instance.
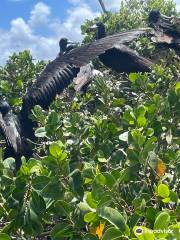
<point>84,54</point>
<point>123,59</point>
<point>53,80</point>
<point>59,73</point>
<point>9,130</point>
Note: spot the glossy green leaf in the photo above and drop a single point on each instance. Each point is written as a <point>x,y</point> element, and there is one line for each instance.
<point>163,190</point>
<point>112,216</point>
<point>90,217</point>
<point>40,132</point>
<point>112,233</point>
<point>61,231</point>
<point>161,224</point>
<point>55,150</point>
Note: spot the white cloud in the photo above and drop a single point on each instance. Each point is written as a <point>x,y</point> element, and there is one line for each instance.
<point>76,16</point>
<point>23,35</point>
<point>39,15</point>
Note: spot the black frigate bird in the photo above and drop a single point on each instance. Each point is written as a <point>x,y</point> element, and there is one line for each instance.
<point>66,45</point>
<point>120,58</point>
<point>167,29</point>
<point>57,75</point>
<point>86,73</point>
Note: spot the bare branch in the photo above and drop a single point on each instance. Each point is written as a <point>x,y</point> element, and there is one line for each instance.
<point>102,6</point>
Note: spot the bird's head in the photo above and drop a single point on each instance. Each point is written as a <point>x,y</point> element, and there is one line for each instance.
<point>63,43</point>
<point>99,29</point>
<point>154,16</point>
<point>4,107</point>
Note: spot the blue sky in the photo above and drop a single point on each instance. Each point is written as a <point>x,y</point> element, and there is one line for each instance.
<point>38,25</point>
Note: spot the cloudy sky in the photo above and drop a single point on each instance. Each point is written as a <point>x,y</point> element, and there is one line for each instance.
<point>38,25</point>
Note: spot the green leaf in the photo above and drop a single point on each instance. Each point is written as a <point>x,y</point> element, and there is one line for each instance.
<point>49,192</point>
<point>133,77</point>
<point>140,111</point>
<point>166,200</point>
<point>90,217</point>
<point>37,204</point>
<point>88,173</point>
<point>129,116</point>
<point>77,182</point>
<point>151,214</point>
<point>62,208</point>
<point>4,236</point>
<point>118,102</point>
<point>110,180</point>
<point>9,163</point>
<point>132,155</point>
<point>163,190</point>
<point>112,233</point>
<point>19,83</point>
<point>40,182</point>
<point>40,132</point>
<point>149,132</point>
<point>112,216</point>
<point>61,231</point>
<point>55,150</point>
<point>138,138</point>
<point>141,120</point>
<point>150,144</point>
<point>90,200</point>
<point>177,86</point>
<point>161,223</point>
<point>173,196</point>
<point>100,179</point>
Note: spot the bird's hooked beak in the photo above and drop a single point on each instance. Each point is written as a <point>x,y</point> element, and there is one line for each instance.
<point>70,42</point>
<point>93,28</point>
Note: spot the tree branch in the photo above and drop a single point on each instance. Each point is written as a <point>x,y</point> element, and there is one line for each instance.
<point>102,6</point>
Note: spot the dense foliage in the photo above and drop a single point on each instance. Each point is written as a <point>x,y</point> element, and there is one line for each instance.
<point>109,161</point>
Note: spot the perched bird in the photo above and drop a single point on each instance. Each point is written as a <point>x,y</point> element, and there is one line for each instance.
<point>169,25</point>
<point>57,75</point>
<point>86,73</point>
<point>66,45</point>
<point>11,129</point>
<point>121,58</point>
<point>167,29</point>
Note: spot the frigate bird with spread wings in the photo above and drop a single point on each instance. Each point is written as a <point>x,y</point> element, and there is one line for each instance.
<point>56,76</point>
<point>120,58</point>
<point>167,29</point>
<point>86,73</point>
